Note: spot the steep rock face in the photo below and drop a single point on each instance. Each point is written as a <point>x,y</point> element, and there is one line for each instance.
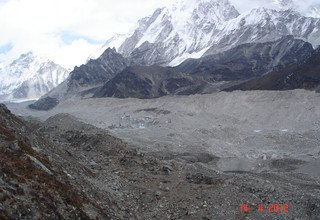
<point>301,75</point>
<point>208,74</point>
<point>84,78</point>
<point>30,77</point>
<point>99,70</point>
<point>195,28</point>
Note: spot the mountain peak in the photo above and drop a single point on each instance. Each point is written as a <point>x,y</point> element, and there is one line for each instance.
<point>110,50</point>
<point>109,54</point>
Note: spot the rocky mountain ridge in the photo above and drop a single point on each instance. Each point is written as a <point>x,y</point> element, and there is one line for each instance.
<point>208,74</point>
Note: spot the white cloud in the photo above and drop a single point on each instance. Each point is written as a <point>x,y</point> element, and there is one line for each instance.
<point>39,25</point>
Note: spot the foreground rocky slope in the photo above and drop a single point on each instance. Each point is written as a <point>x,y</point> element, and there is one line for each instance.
<point>119,182</point>
<point>31,185</point>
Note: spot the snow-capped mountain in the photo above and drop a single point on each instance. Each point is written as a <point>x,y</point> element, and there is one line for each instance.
<point>182,28</point>
<point>30,77</point>
<point>192,28</point>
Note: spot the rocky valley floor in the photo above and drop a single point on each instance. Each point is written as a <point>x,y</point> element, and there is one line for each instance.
<point>189,157</point>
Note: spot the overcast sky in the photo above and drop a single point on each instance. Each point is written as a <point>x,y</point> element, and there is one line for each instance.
<point>69,30</point>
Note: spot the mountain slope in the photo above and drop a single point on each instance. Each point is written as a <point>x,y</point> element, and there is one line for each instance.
<point>30,77</point>
<point>208,74</point>
<point>193,28</point>
<point>302,75</point>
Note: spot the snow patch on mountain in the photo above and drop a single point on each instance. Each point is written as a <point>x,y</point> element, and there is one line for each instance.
<point>196,55</point>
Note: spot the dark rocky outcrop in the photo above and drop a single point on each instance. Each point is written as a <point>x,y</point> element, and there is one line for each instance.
<point>45,104</point>
<point>99,70</point>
